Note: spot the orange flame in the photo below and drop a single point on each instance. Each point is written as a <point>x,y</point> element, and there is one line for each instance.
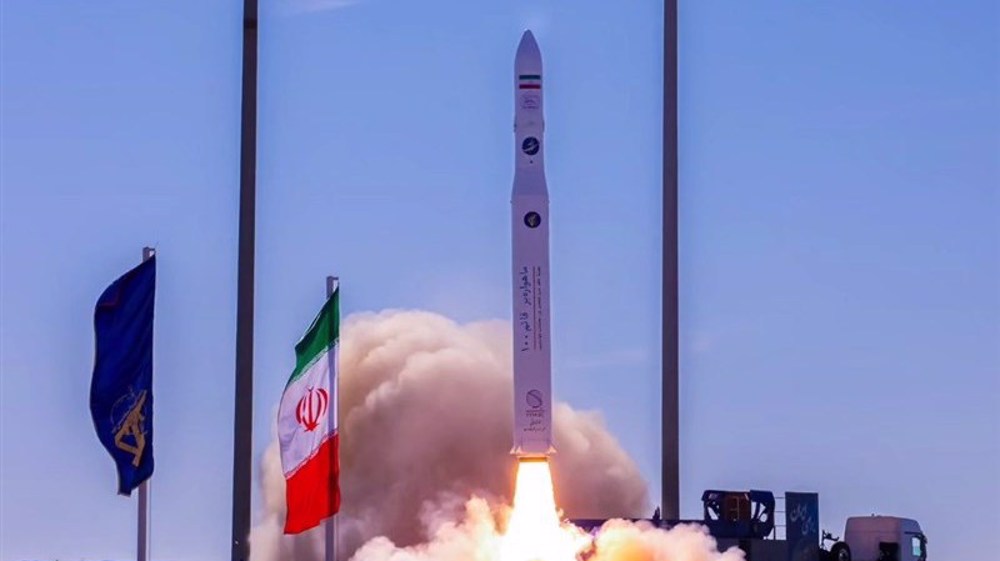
<point>534,532</point>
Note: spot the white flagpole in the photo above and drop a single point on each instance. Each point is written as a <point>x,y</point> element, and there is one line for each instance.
<point>330,549</point>
<point>142,526</point>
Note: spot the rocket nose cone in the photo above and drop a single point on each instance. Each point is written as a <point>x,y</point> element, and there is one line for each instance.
<point>528,38</point>
<point>528,58</point>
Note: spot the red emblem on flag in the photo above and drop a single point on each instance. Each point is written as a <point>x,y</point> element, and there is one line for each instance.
<point>311,408</point>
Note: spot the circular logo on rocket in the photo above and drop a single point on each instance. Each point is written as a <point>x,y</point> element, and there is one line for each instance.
<point>530,146</point>
<point>534,399</point>
<point>532,219</point>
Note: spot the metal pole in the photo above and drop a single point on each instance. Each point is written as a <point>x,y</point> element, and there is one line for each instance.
<point>142,525</point>
<point>142,540</point>
<point>243,414</point>
<point>670,429</point>
<point>330,549</point>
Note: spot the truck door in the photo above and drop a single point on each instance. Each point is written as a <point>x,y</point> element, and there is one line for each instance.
<point>888,551</point>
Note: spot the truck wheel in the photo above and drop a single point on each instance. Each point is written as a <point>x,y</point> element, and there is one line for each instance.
<point>840,552</point>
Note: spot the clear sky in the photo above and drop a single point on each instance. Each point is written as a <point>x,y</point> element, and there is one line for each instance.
<point>840,247</point>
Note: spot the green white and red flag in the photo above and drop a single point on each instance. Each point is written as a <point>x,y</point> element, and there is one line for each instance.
<point>307,424</point>
<point>529,81</point>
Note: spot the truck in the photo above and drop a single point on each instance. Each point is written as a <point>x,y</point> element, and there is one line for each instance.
<point>748,520</point>
<point>878,538</point>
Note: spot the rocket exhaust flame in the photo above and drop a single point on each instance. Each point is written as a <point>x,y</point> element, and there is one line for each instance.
<point>534,532</point>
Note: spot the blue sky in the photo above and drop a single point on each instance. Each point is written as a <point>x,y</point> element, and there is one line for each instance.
<point>840,246</point>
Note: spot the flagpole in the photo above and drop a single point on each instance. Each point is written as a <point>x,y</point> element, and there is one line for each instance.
<point>243,395</point>
<point>142,524</point>
<point>670,316</point>
<point>330,549</point>
<point>142,541</point>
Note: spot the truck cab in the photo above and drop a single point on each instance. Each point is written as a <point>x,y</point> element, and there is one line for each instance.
<point>885,538</point>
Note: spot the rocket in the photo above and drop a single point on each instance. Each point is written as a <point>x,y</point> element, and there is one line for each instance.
<point>532,341</point>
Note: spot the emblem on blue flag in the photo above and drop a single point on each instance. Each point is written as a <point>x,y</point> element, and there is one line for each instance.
<point>121,390</point>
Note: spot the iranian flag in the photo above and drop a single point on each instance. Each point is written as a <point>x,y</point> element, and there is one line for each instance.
<point>307,424</point>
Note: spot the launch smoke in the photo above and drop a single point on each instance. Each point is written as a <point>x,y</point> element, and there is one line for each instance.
<point>425,407</point>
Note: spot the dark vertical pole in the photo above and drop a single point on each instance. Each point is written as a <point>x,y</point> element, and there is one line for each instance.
<point>142,520</point>
<point>243,422</point>
<point>671,356</point>
<point>330,545</point>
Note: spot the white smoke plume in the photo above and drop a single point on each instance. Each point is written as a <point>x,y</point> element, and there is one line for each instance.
<point>425,433</point>
<point>475,536</point>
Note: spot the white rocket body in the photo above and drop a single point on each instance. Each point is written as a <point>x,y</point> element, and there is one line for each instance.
<point>530,264</point>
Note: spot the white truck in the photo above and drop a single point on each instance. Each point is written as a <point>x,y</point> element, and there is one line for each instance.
<point>878,538</point>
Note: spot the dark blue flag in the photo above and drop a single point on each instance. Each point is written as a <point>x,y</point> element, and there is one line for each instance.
<point>121,391</point>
